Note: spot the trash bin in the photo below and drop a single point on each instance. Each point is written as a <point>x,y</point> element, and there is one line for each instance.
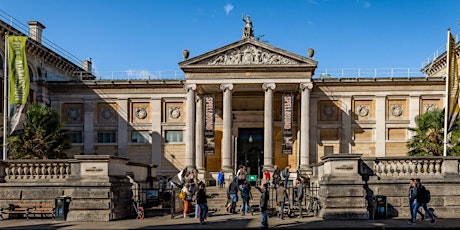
<point>61,207</point>
<point>252,180</point>
<point>379,207</point>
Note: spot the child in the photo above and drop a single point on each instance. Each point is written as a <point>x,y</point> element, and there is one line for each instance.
<point>267,177</point>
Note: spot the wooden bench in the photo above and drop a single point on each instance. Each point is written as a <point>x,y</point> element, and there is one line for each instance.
<point>27,209</point>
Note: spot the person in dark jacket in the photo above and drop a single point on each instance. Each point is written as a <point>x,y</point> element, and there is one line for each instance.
<point>411,199</point>
<point>276,176</point>
<point>202,201</point>
<point>264,197</point>
<point>233,192</point>
<point>245,191</point>
<point>418,201</point>
<point>299,195</point>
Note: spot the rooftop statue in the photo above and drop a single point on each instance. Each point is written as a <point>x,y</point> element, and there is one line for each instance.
<point>248,31</point>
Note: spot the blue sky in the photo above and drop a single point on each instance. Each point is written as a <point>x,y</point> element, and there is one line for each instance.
<point>122,35</point>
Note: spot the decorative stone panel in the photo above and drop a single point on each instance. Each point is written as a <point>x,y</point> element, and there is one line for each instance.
<point>174,112</point>
<point>397,109</point>
<point>140,112</point>
<point>430,104</point>
<point>363,110</point>
<point>329,111</point>
<point>72,113</point>
<point>107,113</point>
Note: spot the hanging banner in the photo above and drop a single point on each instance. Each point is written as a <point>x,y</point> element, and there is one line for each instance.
<point>209,120</point>
<point>287,120</point>
<point>18,81</point>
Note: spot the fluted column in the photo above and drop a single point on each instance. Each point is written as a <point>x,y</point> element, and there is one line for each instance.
<point>305,125</point>
<point>199,161</point>
<point>227,132</point>
<point>268,125</point>
<point>190,126</point>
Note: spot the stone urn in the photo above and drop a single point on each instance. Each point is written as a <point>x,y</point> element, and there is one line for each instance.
<point>185,54</point>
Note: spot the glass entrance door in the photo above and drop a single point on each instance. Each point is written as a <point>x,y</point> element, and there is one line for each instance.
<point>250,150</point>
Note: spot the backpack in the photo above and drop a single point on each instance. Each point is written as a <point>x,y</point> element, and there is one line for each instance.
<point>182,195</point>
<point>423,195</point>
<point>283,173</point>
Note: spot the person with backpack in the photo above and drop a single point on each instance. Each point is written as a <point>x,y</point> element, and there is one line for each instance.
<point>285,173</point>
<point>411,199</point>
<point>421,198</point>
<point>242,174</point>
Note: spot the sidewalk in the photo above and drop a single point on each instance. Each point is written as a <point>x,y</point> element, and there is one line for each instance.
<point>223,220</point>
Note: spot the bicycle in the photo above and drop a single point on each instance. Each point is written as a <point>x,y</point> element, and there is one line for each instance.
<point>313,205</point>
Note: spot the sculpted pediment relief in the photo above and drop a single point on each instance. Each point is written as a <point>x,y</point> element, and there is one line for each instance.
<point>248,54</point>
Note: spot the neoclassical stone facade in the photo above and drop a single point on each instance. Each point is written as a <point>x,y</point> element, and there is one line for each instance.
<point>161,122</point>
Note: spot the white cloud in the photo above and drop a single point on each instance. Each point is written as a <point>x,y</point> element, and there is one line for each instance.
<point>228,8</point>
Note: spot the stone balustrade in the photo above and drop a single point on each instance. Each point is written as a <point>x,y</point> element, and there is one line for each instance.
<point>36,170</point>
<point>407,167</point>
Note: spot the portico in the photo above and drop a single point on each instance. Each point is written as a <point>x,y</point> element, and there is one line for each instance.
<point>247,79</point>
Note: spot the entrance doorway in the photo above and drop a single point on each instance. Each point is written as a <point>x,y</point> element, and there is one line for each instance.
<point>250,151</point>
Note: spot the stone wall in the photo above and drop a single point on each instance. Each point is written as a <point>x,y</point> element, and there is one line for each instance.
<point>97,185</point>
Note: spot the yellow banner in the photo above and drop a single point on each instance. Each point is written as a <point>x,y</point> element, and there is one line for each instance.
<point>18,70</point>
<point>452,83</point>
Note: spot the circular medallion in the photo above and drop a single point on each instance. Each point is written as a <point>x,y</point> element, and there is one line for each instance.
<point>396,110</point>
<point>363,110</point>
<point>107,113</point>
<point>141,113</point>
<point>174,112</point>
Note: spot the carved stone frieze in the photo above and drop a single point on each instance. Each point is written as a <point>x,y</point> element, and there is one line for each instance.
<point>249,54</point>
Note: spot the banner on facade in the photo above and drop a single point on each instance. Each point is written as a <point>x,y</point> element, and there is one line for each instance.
<point>287,120</point>
<point>18,81</point>
<point>209,120</point>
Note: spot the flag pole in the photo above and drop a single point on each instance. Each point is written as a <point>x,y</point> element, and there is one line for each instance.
<point>447,92</point>
<point>5,99</point>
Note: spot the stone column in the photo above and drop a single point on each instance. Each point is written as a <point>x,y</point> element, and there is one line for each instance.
<point>346,136</point>
<point>199,160</point>
<point>122,127</point>
<point>305,125</point>
<point>227,163</point>
<point>190,126</point>
<point>414,110</point>
<point>268,125</point>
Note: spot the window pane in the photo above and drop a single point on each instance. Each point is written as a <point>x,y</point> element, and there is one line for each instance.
<point>75,137</point>
<point>140,137</point>
<point>173,136</point>
<point>106,137</point>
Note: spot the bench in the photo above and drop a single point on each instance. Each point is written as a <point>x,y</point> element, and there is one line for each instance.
<point>27,209</point>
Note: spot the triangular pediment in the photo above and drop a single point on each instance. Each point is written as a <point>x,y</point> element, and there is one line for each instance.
<point>247,54</point>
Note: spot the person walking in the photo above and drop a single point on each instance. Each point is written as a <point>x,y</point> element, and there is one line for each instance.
<point>245,191</point>
<point>264,197</point>
<point>420,200</point>
<point>221,179</point>
<point>276,176</point>
<point>242,174</point>
<point>281,195</point>
<point>202,201</point>
<point>285,173</point>
<point>233,192</point>
<point>187,201</point>
<point>299,196</point>
<point>412,198</point>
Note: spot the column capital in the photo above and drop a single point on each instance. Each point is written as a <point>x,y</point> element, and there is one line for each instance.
<point>267,86</point>
<point>226,86</point>
<point>307,85</point>
<point>190,86</point>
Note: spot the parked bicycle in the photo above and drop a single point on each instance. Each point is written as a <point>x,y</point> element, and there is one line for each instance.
<point>313,205</point>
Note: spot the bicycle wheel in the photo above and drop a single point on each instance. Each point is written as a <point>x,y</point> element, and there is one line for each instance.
<point>308,207</point>
<point>316,208</point>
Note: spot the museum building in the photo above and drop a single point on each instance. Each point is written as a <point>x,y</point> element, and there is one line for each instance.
<point>247,103</point>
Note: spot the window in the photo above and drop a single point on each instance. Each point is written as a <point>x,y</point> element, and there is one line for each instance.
<point>140,137</point>
<point>173,136</point>
<point>76,137</point>
<point>106,137</point>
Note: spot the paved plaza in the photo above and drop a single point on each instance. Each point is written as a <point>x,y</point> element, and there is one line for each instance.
<point>223,220</point>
